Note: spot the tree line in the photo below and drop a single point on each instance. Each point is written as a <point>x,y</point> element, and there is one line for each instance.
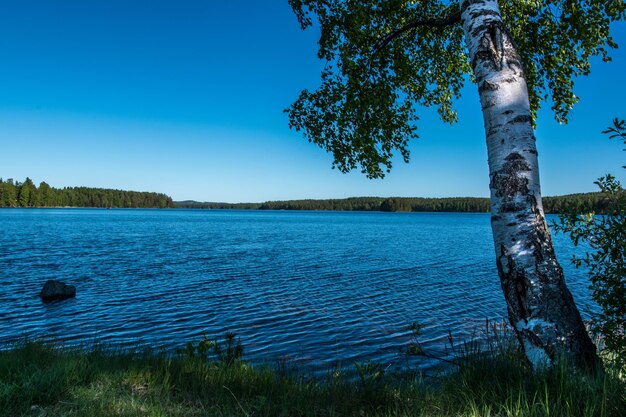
<point>27,194</point>
<point>583,202</point>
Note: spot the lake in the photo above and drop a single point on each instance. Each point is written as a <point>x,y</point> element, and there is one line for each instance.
<point>315,288</point>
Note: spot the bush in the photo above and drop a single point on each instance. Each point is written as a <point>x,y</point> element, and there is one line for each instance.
<point>606,262</point>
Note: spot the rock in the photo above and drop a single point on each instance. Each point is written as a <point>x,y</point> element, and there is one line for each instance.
<point>57,290</point>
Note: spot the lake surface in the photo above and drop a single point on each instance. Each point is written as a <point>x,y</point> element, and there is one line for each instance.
<point>316,288</point>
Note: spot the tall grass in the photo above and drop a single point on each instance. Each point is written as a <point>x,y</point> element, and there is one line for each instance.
<point>39,379</point>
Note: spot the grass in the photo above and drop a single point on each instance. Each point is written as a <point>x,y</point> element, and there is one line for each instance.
<point>40,379</point>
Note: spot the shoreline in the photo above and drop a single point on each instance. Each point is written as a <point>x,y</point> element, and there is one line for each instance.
<point>40,379</point>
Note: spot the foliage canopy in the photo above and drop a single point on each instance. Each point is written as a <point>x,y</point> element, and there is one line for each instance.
<point>384,59</point>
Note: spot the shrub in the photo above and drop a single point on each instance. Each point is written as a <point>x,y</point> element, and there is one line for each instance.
<point>606,262</point>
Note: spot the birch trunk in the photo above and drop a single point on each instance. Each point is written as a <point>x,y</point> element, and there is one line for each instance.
<point>540,307</point>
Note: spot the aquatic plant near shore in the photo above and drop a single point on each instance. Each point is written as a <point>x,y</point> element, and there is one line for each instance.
<point>228,352</point>
<point>495,339</point>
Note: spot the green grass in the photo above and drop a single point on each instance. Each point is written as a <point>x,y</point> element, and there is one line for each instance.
<point>39,379</point>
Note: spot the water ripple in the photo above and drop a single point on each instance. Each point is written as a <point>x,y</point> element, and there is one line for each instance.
<point>316,288</point>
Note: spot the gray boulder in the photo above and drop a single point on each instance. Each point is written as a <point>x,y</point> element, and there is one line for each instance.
<point>57,290</point>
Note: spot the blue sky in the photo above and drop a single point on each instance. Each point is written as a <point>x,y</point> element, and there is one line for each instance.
<point>186,98</point>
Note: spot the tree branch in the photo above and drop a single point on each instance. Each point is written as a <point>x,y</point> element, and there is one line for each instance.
<point>452,19</point>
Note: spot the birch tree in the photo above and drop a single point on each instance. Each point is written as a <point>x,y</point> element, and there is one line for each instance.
<point>385,59</point>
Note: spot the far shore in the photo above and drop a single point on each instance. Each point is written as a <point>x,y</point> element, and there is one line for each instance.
<point>582,203</point>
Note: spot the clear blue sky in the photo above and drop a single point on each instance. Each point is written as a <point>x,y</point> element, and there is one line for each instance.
<point>186,97</point>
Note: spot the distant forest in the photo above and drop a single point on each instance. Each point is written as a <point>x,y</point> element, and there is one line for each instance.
<point>584,202</point>
<point>27,194</point>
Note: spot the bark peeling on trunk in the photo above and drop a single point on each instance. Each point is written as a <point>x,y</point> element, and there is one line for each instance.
<point>540,307</point>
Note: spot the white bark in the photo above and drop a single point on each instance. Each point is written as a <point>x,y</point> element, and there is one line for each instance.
<point>540,306</point>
